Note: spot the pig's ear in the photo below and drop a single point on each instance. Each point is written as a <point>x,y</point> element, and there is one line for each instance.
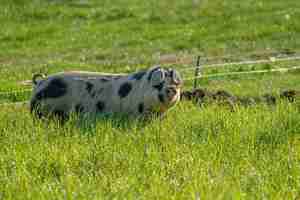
<point>176,78</point>
<point>157,76</point>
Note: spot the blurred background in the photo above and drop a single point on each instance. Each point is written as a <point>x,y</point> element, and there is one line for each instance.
<point>126,35</point>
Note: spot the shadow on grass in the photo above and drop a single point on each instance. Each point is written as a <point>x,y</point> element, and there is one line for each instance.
<point>87,125</point>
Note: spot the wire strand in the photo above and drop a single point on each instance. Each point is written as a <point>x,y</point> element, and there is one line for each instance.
<point>209,75</point>
<point>245,72</point>
<point>15,92</point>
<point>271,60</point>
<point>19,103</point>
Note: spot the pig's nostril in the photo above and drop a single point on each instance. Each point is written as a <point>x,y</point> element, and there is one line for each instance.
<point>171,90</point>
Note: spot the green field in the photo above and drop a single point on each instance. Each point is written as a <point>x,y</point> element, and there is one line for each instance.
<point>195,152</point>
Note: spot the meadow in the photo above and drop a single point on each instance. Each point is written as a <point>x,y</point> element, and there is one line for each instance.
<point>195,152</point>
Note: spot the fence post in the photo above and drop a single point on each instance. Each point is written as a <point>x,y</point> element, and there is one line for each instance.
<point>197,73</point>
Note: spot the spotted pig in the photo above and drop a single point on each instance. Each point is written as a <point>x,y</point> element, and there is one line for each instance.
<point>90,93</point>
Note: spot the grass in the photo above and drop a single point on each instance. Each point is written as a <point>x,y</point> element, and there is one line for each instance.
<point>53,35</point>
<point>206,153</point>
<point>216,154</point>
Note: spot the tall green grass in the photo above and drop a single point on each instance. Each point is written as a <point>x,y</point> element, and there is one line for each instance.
<point>208,153</point>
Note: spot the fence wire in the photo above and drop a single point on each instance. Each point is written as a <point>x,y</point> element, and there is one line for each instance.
<point>15,92</point>
<point>271,60</point>
<point>19,103</point>
<point>250,62</point>
<point>282,70</point>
